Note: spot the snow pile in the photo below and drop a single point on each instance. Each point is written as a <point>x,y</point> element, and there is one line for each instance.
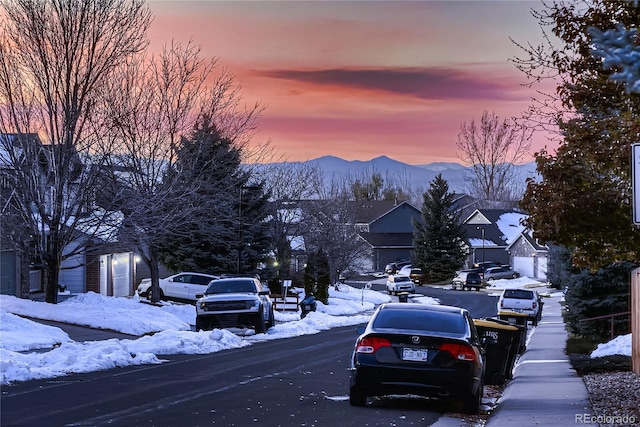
<point>164,329</point>
<point>619,345</point>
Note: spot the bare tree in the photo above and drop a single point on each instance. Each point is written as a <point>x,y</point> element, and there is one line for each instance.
<point>371,185</point>
<point>492,149</point>
<point>56,56</point>
<point>332,223</point>
<point>290,184</point>
<point>152,106</point>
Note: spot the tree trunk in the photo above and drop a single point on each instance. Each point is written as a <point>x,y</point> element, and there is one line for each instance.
<point>154,269</point>
<point>51,282</point>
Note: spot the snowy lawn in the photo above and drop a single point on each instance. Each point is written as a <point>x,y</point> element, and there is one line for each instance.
<point>164,329</point>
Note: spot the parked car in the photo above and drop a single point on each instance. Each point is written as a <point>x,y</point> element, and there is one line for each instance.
<point>179,287</point>
<point>418,349</point>
<point>521,301</point>
<point>494,273</point>
<point>394,267</point>
<point>239,302</point>
<point>397,283</point>
<point>483,266</point>
<point>467,279</point>
<point>417,276</point>
<point>405,270</point>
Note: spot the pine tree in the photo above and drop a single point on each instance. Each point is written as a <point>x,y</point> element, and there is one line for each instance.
<point>439,241</point>
<point>317,278</point>
<point>227,232</point>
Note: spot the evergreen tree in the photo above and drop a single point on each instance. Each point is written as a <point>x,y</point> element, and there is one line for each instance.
<point>317,278</point>
<point>592,294</point>
<point>439,241</point>
<point>227,232</point>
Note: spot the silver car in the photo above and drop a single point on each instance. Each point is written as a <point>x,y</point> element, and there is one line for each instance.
<point>494,273</point>
<point>397,284</point>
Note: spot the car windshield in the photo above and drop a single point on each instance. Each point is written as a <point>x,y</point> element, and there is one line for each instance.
<point>231,286</point>
<point>401,279</point>
<point>518,294</point>
<point>448,323</point>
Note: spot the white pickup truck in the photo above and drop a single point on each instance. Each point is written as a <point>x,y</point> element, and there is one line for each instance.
<point>521,301</point>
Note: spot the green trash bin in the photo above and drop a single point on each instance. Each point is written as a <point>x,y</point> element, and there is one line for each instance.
<point>498,340</point>
<point>518,336</point>
<point>519,319</point>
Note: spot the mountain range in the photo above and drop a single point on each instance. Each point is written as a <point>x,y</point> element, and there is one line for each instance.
<point>417,177</point>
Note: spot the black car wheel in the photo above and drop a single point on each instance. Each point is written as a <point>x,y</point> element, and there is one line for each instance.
<point>202,324</point>
<point>258,324</point>
<point>272,321</point>
<point>471,404</point>
<point>357,398</point>
<point>150,295</point>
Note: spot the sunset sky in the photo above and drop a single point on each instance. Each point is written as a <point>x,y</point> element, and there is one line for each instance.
<point>361,79</point>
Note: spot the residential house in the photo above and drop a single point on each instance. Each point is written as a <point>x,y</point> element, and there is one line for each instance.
<point>500,236</point>
<point>20,272</point>
<point>528,257</point>
<point>388,227</point>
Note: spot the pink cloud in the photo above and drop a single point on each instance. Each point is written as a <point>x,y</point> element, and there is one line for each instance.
<point>362,79</point>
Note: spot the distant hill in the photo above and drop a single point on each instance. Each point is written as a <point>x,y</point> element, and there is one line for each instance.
<point>417,177</point>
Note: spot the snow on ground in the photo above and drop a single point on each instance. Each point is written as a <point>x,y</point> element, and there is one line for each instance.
<point>164,329</point>
<point>520,282</point>
<point>31,350</point>
<point>619,345</point>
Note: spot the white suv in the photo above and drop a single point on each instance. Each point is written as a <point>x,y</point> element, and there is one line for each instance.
<point>397,284</point>
<point>237,302</point>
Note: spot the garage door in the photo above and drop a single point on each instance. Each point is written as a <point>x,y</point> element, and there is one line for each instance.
<point>523,265</point>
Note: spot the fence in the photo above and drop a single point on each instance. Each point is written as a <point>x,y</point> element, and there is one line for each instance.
<point>285,302</point>
<point>635,321</point>
<point>611,323</point>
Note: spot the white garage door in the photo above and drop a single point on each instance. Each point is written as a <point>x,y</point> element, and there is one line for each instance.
<point>536,268</point>
<point>523,265</point>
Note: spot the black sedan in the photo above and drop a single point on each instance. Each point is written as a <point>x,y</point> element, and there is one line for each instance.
<point>418,349</point>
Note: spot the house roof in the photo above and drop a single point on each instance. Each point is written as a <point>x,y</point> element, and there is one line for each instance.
<point>499,227</point>
<point>12,141</point>
<point>527,237</point>
<point>367,211</point>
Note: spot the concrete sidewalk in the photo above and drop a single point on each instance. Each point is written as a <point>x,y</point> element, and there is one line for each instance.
<point>545,389</point>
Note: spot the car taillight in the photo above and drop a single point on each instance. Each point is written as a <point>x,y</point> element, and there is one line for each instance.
<point>459,351</point>
<point>534,305</point>
<point>370,345</point>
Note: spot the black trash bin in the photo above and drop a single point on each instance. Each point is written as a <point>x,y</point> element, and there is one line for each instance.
<point>517,334</point>
<point>403,297</point>
<point>519,319</point>
<point>498,340</point>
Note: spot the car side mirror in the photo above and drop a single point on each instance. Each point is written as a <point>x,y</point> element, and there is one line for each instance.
<point>368,285</point>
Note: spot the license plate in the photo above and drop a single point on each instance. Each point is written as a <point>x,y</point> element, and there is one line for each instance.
<point>414,354</point>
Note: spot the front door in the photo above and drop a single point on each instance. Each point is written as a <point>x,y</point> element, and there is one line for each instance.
<point>8,276</point>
